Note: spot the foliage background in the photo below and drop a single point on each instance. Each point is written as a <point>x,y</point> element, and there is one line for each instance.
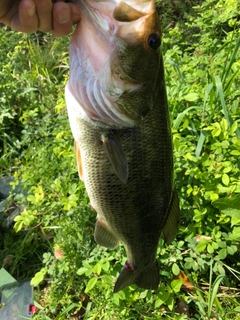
<point>52,239</point>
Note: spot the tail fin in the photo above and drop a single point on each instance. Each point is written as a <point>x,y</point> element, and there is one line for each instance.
<point>147,278</point>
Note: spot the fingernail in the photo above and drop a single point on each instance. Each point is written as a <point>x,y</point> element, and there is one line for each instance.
<point>31,11</point>
<point>63,16</point>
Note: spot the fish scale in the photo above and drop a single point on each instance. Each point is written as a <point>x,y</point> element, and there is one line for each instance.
<point>126,162</point>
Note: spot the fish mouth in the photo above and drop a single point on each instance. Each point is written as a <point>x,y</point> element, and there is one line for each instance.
<point>121,18</point>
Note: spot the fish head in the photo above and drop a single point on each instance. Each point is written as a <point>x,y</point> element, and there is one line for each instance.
<point>116,64</point>
<point>137,38</point>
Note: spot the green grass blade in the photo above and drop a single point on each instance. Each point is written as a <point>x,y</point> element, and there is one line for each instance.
<point>87,311</point>
<point>176,67</point>
<point>213,293</point>
<point>232,59</point>
<point>200,143</point>
<point>200,301</point>
<point>230,82</point>
<point>233,271</point>
<point>206,95</point>
<point>210,288</point>
<point>220,93</point>
<point>180,116</point>
<point>65,311</point>
<point>198,151</point>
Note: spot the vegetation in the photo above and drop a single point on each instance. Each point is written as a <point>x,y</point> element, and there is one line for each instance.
<point>52,240</point>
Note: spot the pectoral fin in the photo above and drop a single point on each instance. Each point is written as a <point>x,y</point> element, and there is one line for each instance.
<point>103,237</point>
<point>170,229</point>
<point>116,156</point>
<point>79,160</point>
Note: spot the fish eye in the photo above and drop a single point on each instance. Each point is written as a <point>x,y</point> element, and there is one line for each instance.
<point>154,41</point>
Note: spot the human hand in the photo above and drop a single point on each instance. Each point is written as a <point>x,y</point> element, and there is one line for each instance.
<point>31,15</point>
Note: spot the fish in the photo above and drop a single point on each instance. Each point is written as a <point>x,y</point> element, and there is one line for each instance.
<point>118,113</point>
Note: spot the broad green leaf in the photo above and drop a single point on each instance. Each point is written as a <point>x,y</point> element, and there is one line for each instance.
<point>235,153</point>
<point>97,268</point>
<point>230,207</point>
<point>214,245</point>
<point>225,144</point>
<point>91,284</point>
<point>210,249</point>
<point>217,130</point>
<point>158,303</point>
<point>232,249</point>
<point>191,96</point>
<point>18,226</point>
<point>170,303</point>
<point>31,198</point>
<point>222,244</point>
<point>201,246</point>
<point>106,265</point>
<point>235,220</point>
<point>82,271</point>
<point>115,299</point>
<point>237,309</point>
<point>234,127</point>
<point>175,269</point>
<point>214,196</point>
<point>143,294</point>
<point>235,234</point>
<point>221,270</point>
<point>225,179</point>
<point>163,295</point>
<point>224,124</point>
<point>176,285</point>
<point>121,295</point>
<point>222,253</point>
<point>39,276</point>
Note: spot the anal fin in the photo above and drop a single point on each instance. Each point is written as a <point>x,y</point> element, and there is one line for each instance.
<point>170,229</point>
<point>116,156</point>
<point>103,237</point>
<point>79,160</point>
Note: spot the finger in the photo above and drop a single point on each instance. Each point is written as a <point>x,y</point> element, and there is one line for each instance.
<point>76,13</point>
<point>44,13</point>
<point>64,16</point>
<point>75,10</point>
<point>26,19</point>
<point>62,19</point>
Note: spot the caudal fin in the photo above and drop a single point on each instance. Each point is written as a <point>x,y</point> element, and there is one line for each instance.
<point>146,279</point>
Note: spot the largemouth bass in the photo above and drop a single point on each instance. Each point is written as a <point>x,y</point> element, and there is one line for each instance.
<point>118,113</point>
